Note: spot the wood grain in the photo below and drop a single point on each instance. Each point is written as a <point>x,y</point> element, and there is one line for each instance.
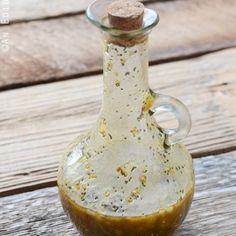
<point>213,211</point>
<point>36,123</point>
<point>59,49</point>
<point>28,10</point>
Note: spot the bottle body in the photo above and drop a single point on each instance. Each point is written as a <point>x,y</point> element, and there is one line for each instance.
<point>121,177</point>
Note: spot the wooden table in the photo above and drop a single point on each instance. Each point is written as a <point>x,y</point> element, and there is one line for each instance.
<point>51,85</point>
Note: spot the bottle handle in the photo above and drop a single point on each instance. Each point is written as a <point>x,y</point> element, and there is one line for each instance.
<point>171,104</point>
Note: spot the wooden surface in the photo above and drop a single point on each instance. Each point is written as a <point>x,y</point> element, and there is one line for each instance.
<point>213,211</point>
<point>193,57</point>
<point>44,119</point>
<point>58,49</point>
<point>25,10</point>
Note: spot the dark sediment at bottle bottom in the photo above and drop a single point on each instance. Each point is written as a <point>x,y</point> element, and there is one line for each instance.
<point>91,223</point>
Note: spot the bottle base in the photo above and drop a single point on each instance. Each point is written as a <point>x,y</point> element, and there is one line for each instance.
<point>91,223</point>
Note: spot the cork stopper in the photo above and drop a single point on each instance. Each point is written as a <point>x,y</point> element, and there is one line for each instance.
<point>126,15</point>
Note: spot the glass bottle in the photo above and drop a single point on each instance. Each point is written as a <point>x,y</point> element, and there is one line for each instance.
<point>127,176</point>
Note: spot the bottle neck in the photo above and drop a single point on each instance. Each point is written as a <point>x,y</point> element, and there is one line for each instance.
<point>125,81</point>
